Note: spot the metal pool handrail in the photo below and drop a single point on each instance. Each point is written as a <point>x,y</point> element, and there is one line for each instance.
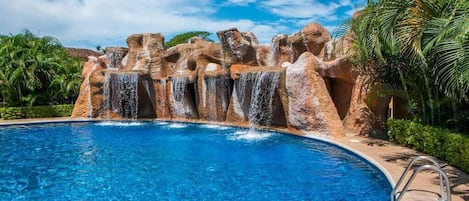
<point>445,190</point>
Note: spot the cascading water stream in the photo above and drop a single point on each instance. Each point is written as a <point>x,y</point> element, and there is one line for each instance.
<point>106,94</point>
<point>274,52</point>
<point>329,48</point>
<point>262,98</point>
<point>212,91</point>
<point>212,98</point>
<point>121,94</point>
<point>114,59</point>
<point>178,91</point>
<point>163,97</point>
<point>245,79</point>
<point>263,90</point>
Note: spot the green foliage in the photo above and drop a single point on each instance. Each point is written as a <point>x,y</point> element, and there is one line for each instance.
<point>438,142</point>
<point>184,37</point>
<point>418,47</point>
<point>36,111</point>
<point>37,71</point>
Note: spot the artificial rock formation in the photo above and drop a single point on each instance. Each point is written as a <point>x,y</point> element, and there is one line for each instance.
<point>310,106</point>
<point>302,82</point>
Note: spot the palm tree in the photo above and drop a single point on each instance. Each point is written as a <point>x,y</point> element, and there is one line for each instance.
<point>28,64</point>
<point>424,44</point>
<point>65,86</point>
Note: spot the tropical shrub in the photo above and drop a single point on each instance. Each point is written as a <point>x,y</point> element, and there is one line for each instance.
<point>438,142</point>
<point>36,111</point>
<point>37,71</point>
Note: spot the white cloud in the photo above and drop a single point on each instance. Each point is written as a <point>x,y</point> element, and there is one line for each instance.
<point>240,2</point>
<point>103,22</point>
<point>300,8</point>
<point>345,2</point>
<point>86,23</point>
<point>305,8</point>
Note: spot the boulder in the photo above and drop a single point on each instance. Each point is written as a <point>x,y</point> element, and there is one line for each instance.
<point>237,47</point>
<point>367,109</point>
<point>310,107</point>
<point>90,98</point>
<point>162,101</point>
<point>145,54</point>
<point>311,38</point>
<point>280,50</point>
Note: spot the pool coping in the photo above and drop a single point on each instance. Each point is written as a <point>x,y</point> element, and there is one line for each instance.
<point>390,158</point>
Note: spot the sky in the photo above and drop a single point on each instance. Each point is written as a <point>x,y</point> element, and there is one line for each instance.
<point>105,23</point>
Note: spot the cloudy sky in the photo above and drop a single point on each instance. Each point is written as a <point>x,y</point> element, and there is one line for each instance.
<point>88,23</point>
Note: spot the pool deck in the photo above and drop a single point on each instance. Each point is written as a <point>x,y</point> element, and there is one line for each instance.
<point>392,158</point>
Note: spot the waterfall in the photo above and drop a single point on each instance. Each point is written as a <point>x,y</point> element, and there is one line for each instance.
<point>106,95</point>
<point>260,111</point>
<point>225,84</point>
<point>213,97</point>
<point>121,94</point>
<point>329,48</point>
<point>114,59</point>
<point>274,52</point>
<point>245,79</point>
<point>163,97</point>
<point>178,91</point>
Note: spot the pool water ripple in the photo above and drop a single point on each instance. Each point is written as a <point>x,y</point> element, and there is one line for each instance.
<point>89,161</point>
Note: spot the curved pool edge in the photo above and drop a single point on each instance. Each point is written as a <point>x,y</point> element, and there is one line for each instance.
<point>389,158</point>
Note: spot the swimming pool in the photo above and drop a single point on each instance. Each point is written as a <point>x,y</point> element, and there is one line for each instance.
<point>177,161</point>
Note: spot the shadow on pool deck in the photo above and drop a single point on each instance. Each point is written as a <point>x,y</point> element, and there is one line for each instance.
<point>394,159</point>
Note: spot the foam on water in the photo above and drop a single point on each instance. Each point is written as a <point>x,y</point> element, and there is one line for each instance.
<point>177,125</point>
<point>250,135</point>
<point>162,123</point>
<point>122,124</point>
<point>214,126</point>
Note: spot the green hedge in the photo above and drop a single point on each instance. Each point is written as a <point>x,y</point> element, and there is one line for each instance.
<point>440,143</point>
<point>36,111</point>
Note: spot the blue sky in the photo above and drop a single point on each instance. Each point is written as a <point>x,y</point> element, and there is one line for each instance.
<point>88,23</point>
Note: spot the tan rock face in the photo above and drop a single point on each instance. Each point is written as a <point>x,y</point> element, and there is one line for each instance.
<point>184,64</point>
<point>281,51</point>
<point>144,54</point>
<point>367,111</point>
<point>203,80</point>
<point>237,47</point>
<point>89,101</point>
<point>214,89</point>
<point>311,38</point>
<point>262,54</point>
<point>310,106</point>
<point>163,110</point>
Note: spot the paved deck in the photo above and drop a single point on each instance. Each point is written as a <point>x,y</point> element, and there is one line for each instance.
<point>394,159</point>
<point>390,157</point>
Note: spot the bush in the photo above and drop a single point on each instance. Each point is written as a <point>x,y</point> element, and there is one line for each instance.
<point>440,143</point>
<point>36,111</point>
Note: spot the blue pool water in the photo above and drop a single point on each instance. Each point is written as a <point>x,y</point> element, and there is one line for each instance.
<point>176,161</point>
